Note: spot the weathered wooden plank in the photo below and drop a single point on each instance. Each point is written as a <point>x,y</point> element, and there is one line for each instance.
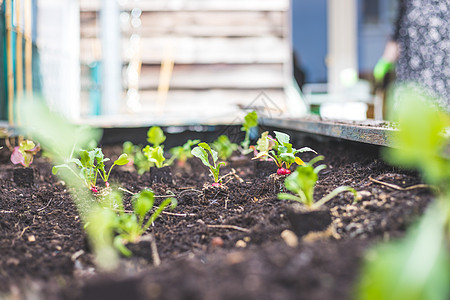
<point>216,76</point>
<point>216,50</point>
<point>198,5</point>
<point>189,50</point>
<point>199,107</point>
<point>194,23</point>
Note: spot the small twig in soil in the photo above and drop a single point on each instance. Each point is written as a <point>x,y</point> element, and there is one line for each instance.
<point>48,203</point>
<point>231,173</point>
<point>155,256</point>
<point>6,211</point>
<point>229,227</point>
<point>178,215</point>
<point>190,190</point>
<point>186,188</point>
<point>126,191</point>
<point>23,231</point>
<point>396,187</point>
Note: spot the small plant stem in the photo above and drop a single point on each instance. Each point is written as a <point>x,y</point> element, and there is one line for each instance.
<point>333,194</point>
<point>109,172</point>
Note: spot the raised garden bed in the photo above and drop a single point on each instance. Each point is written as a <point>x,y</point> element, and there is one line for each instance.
<point>233,248</point>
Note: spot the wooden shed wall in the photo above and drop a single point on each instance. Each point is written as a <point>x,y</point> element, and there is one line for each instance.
<point>229,49</point>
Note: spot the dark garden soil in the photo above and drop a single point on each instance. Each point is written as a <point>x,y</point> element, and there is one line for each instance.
<point>235,247</point>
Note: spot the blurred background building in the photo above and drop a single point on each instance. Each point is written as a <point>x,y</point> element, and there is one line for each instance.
<point>191,61</point>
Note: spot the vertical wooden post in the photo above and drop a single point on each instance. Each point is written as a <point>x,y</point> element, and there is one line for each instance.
<point>28,47</point>
<point>9,62</point>
<point>19,57</point>
<point>342,42</point>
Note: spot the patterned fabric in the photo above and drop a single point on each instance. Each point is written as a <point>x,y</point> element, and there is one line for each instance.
<point>422,32</point>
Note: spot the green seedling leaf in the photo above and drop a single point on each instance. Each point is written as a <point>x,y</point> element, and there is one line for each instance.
<point>155,155</point>
<point>143,203</point>
<point>122,160</point>
<point>155,136</point>
<point>182,153</point>
<point>224,147</point>
<point>282,138</point>
<point>250,121</point>
<point>302,182</point>
<point>201,152</point>
<point>24,153</point>
<point>415,268</point>
<point>128,148</point>
<point>264,143</point>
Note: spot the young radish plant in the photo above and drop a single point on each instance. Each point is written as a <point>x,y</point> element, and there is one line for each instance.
<point>224,147</point>
<point>183,152</point>
<point>155,153</point>
<point>201,152</point>
<point>155,136</point>
<point>131,226</point>
<point>136,157</point>
<point>24,153</point>
<point>282,153</point>
<point>92,165</point>
<point>264,144</point>
<point>303,181</point>
<point>250,121</point>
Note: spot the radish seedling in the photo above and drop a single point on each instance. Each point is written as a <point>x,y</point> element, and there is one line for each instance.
<point>24,153</point>
<point>303,181</point>
<point>200,152</point>
<point>131,226</point>
<point>264,144</point>
<point>182,153</point>
<point>136,157</point>
<point>91,165</point>
<point>224,147</point>
<point>250,121</point>
<point>155,136</point>
<point>283,154</point>
<point>155,155</point>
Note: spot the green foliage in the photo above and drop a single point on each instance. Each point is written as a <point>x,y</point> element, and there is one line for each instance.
<point>182,153</point>
<point>202,151</point>
<point>303,181</point>
<point>264,144</point>
<point>250,121</point>
<point>283,153</point>
<point>421,140</point>
<point>24,153</point>
<point>155,155</point>
<point>92,164</point>
<point>224,147</point>
<point>155,136</point>
<point>137,157</point>
<point>416,267</point>
<point>129,227</point>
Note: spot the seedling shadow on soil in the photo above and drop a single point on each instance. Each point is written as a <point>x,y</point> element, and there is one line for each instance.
<point>208,250</point>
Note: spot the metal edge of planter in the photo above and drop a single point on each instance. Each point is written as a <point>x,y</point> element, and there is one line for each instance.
<point>369,132</point>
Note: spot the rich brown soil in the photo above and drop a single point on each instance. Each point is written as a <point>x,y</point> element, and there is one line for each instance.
<point>225,248</point>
